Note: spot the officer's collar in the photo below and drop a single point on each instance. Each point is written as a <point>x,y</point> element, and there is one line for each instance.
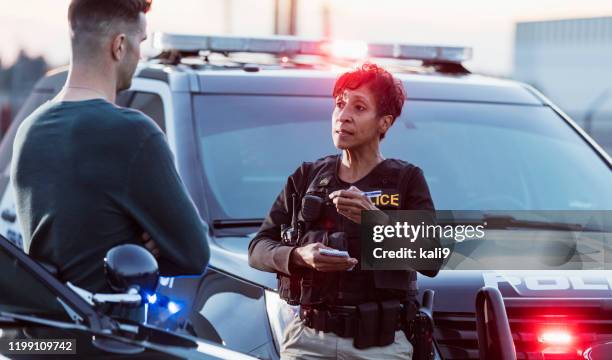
<point>339,163</point>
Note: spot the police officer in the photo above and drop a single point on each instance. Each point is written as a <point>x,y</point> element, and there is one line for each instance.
<point>344,312</point>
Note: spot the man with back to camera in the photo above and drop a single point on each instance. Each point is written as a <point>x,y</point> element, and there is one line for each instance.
<point>89,175</point>
<point>345,312</point>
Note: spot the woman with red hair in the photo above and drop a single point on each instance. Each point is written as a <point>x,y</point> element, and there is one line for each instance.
<point>310,237</point>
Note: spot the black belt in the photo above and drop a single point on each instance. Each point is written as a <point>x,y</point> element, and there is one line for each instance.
<point>343,320</point>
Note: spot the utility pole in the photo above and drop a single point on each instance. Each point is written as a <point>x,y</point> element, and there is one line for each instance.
<point>326,13</point>
<point>227,12</point>
<point>285,17</point>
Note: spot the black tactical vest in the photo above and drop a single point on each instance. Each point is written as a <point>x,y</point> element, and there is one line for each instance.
<point>310,287</point>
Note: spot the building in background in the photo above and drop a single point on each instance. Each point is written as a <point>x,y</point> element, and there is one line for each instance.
<point>570,61</point>
<point>16,83</point>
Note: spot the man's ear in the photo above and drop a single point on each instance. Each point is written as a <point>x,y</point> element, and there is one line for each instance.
<point>119,46</point>
<point>385,123</point>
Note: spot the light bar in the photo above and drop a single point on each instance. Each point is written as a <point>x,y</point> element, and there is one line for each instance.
<point>289,45</point>
<point>454,54</point>
<point>285,45</point>
<point>346,49</point>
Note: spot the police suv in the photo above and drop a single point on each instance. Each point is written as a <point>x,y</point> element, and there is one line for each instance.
<point>241,114</point>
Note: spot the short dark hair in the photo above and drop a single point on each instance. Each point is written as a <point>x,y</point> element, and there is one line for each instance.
<point>388,91</point>
<point>99,16</point>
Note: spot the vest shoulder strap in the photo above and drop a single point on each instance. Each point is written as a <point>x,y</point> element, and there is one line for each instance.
<point>322,168</point>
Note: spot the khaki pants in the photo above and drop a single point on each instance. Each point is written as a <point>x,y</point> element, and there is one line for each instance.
<point>302,342</point>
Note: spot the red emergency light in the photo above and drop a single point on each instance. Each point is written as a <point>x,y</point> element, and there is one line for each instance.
<point>558,342</point>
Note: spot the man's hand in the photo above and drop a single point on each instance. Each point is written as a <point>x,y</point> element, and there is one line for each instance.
<point>148,243</point>
<point>349,203</point>
<point>309,256</point>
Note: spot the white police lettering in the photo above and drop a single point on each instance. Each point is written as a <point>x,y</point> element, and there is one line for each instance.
<point>592,281</point>
<point>578,284</point>
<point>492,279</point>
<point>547,283</point>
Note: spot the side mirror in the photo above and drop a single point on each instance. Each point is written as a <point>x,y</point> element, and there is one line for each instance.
<point>132,273</point>
<point>130,267</point>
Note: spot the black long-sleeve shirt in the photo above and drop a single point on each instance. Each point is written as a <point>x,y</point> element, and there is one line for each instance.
<point>89,175</point>
<point>267,253</point>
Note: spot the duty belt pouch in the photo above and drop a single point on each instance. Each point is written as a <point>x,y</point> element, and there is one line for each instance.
<point>389,316</point>
<point>318,320</point>
<point>317,287</point>
<point>310,292</point>
<point>289,288</point>
<point>366,334</point>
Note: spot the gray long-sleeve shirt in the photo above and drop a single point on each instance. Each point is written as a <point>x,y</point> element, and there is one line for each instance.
<point>89,175</point>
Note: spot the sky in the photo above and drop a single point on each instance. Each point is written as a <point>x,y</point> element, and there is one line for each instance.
<point>40,26</point>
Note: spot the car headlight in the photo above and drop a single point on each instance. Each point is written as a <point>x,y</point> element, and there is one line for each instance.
<point>280,315</point>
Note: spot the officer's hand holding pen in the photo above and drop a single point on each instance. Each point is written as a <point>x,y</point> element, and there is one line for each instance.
<point>309,256</point>
<point>351,202</point>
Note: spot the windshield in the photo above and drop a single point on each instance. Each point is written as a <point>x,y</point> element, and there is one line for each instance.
<point>475,156</point>
<point>24,294</point>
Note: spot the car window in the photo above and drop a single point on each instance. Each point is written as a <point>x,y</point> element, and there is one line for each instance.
<point>151,104</point>
<point>24,294</point>
<point>475,156</point>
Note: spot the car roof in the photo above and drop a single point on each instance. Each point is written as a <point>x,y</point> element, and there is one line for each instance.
<point>319,83</point>
<point>304,82</point>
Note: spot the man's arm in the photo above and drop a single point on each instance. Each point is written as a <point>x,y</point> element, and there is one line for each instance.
<point>157,199</point>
